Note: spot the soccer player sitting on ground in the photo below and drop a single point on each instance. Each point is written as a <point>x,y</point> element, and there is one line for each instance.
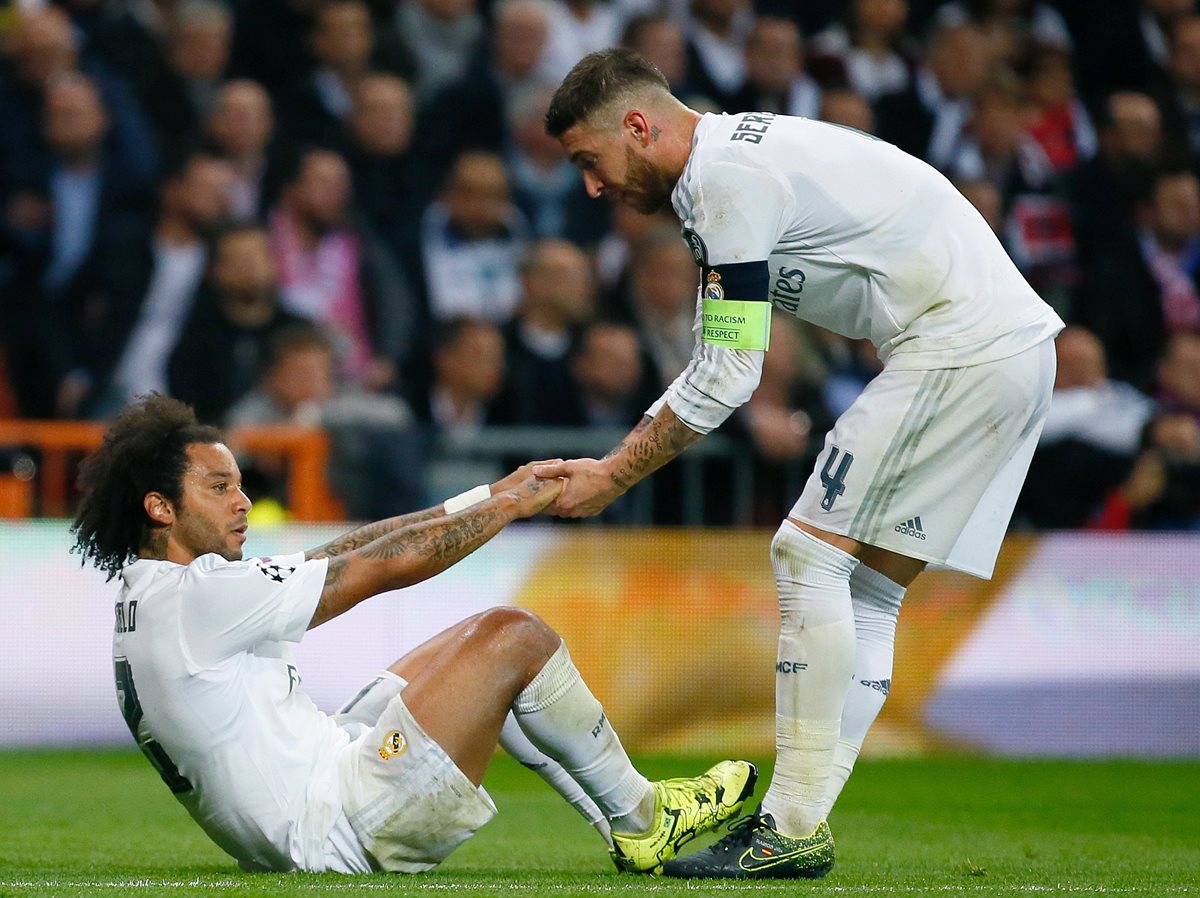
<point>850,233</point>
<point>207,686</point>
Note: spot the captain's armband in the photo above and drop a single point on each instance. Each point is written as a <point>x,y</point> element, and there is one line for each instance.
<point>732,313</point>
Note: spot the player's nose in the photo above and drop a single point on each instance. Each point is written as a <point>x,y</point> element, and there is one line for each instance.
<point>593,184</point>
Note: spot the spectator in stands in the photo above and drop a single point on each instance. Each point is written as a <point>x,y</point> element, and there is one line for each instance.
<point>470,114</point>
<point>472,240</point>
<point>717,32</point>
<point>775,77</point>
<point>346,47</point>
<point>1179,373</point>
<point>928,119</point>
<point>662,301</point>
<point>1060,123</point>
<point>608,367</point>
<point>1091,438</point>
<point>375,465</point>
<point>1104,188</point>
<point>337,274</point>
<point>1037,217</point>
<point>871,46</point>
<point>79,224</point>
<point>1137,35</point>
<point>546,187</point>
<point>1179,97</point>
<point>658,38</point>
<point>45,49</point>
<point>378,149</point>
<point>784,421</point>
<point>236,315</point>
<point>842,106</point>
<point>194,208</point>
<point>241,129</point>
<point>1145,287</point>
<point>443,36</point>
<point>468,374</point>
<point>559,297</point>
<point>577,28</point>
<point>613,252</point>
<point>180,94</point>
<point>781,415</point>
<point>1013,27</point>
<point>1163,490</point>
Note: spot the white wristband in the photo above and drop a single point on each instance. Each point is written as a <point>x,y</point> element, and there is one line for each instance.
<point>473,496</point>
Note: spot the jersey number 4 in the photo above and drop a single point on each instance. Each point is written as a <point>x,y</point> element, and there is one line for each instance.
<point>131,710</point>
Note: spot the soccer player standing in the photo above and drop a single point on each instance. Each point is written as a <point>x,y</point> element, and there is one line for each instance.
<point>207,685</point>
<point>854,235</point>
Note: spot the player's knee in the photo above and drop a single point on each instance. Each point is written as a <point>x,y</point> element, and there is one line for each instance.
<point>515,631</point>
<point>794,550</point>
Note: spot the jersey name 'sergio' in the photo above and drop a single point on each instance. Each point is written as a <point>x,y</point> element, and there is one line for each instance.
<point>858,237</point>
<point>205,676</point>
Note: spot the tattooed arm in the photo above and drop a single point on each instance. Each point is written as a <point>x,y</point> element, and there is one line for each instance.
<point>416,551</point>
<point>593,484</point>
<point>368,533</point>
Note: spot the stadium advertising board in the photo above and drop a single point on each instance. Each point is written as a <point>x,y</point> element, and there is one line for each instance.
<point>1082,645</point>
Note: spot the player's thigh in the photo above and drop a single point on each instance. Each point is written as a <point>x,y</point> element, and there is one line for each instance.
<point>462,692</point>
<point>365,706</point>
<point>904,468</point>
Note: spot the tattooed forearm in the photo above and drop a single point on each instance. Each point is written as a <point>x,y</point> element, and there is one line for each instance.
<point>444,540</point>
<point>368,533</point>
<point>331,603</point>
<point>650,445</point>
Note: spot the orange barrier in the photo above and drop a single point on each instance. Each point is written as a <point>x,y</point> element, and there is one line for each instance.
<point>62,443</point>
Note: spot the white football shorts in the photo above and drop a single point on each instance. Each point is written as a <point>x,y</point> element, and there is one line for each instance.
<point>404,797</point>
<point>929,464</point>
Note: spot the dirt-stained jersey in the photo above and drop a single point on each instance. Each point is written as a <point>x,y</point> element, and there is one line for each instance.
<point>852,234</point>
<point>206,681</point>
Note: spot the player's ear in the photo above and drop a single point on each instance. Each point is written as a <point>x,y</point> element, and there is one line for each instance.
<point>159,509</point>
<point>636,124</point>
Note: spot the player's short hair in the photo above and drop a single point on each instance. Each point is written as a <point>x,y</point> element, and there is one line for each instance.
<point>144,451</point>
<point>597,80</point>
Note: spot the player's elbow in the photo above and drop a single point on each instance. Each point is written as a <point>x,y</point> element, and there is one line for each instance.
<point>742,376</point>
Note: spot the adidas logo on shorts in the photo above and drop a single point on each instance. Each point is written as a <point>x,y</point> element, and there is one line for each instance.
<point>912,527</point>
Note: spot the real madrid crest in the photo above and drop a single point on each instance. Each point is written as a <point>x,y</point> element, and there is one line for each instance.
<point>712,286</point>
<point>394,745</point>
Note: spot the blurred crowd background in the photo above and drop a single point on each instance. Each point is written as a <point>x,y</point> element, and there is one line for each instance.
<point>346,214</point>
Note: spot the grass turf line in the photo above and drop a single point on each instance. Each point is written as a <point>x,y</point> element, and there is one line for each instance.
<point>101,823</point>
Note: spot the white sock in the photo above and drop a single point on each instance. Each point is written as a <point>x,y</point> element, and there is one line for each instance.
<point>560,716</point>
<point>813,667</point>
<point>876,609</point>
<point>516,743</point>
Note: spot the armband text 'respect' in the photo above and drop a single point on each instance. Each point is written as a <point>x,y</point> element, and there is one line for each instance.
<point>739,321</point>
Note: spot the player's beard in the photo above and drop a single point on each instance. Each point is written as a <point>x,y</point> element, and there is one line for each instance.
<point>647,189</point>
<point>200,536</point>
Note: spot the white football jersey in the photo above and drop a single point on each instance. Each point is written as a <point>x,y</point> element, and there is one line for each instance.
<point>856,236</point>
<point>207,683</point>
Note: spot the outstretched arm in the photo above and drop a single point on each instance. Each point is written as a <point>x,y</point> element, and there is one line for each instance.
<point>593,484</point>
<point>408,554</point>
<point>368,533</point>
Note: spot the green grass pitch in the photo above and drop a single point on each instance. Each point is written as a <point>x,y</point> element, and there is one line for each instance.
<point>101,823</point>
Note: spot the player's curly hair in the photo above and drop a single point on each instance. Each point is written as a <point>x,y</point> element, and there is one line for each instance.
<point>145,450</point>
<point>596,81</point>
